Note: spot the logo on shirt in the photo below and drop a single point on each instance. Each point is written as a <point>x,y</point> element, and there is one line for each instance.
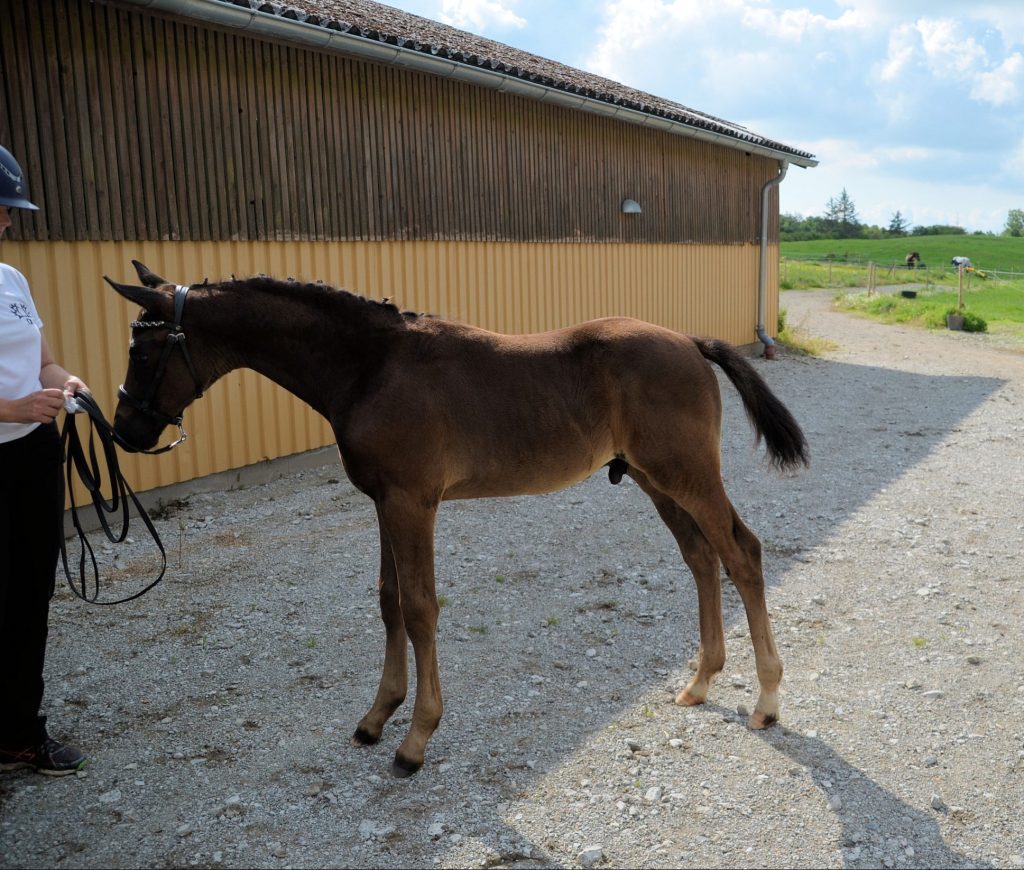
<point>20,310</point>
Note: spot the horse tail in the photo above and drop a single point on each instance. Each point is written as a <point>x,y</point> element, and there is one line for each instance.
<point>771,420</point>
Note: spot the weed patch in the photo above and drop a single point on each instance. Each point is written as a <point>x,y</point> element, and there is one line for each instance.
<point>1002,305</point>
<point>798,340</point>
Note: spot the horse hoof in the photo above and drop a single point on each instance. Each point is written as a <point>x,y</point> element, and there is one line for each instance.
<point>403,768</point>
<point>759,721</point>
<point>362,737</point>
<point>686,699</point>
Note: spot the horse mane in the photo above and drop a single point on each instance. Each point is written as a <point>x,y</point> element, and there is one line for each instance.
<point>323,294</point>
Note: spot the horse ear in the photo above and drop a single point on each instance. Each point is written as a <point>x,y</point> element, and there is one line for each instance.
<point>148,277</point>
<point>155,301</point>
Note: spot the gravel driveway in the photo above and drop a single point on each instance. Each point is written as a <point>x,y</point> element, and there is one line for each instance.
<point>217,709</point>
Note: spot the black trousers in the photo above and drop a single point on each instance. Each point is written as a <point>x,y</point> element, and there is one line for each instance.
<point>30,516</point>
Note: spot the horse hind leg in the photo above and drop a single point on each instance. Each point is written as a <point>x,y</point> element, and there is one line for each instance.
<point>395,676</point>
<point>740,551</point>
<point>703,562</point>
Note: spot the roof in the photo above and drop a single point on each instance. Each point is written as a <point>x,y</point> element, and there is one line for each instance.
<point>377,25</point>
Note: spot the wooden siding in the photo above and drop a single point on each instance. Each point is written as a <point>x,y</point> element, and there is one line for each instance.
<point>137,127</point>
<point>508,287</point>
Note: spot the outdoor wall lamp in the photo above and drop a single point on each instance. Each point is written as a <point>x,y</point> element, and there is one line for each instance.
<point>630,206</point>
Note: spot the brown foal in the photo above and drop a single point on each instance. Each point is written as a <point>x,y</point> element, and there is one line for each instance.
<point>426,410</point>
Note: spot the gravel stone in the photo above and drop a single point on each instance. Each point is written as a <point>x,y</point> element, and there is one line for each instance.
<point>220,705</point>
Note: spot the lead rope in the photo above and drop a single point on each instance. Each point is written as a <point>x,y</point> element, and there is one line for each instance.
<point>91,477</point>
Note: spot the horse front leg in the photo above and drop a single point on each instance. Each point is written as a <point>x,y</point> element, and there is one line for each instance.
<point>409,523</point>
<point>394,681</point>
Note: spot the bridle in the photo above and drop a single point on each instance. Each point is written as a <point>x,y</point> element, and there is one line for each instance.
<point>175,338</point>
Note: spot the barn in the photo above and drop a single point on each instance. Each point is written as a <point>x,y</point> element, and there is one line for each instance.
<point>347,141</point>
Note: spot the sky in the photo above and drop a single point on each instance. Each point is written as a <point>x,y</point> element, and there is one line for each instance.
<point>914,106</point>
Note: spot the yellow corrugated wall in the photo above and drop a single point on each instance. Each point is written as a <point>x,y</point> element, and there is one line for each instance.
<point>504,286</point>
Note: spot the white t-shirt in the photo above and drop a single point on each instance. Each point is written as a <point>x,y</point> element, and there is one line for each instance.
<point>20,346</point>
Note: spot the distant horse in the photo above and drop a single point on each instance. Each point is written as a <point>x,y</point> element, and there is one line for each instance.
<point>426,410</point>
<point>913,258</point>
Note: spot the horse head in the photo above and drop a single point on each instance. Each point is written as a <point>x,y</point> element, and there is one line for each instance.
<point>164,370</point>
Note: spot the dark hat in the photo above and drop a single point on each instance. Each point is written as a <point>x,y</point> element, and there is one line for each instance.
<point>13,192</point>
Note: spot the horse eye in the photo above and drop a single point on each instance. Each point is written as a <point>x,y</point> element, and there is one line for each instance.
<point>137,354</point>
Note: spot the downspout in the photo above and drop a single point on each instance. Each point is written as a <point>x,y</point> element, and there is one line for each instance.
<point>762,272</point>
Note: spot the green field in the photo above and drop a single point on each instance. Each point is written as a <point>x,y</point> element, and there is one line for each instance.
<point>992,253</point>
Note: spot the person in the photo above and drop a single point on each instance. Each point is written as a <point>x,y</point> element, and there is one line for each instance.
<point>33,387</point>
<point>961,262</point>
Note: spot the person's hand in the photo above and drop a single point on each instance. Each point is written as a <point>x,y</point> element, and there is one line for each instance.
<point>41,406</point>
<point>75,384</point>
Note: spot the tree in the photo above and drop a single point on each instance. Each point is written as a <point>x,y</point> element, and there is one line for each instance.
<point>842,214</point>
<point>938,230</point>
<point>1014,223</point>
<point>898,225</point>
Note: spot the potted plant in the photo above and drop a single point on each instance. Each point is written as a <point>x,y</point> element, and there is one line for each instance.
<point>954,319</point>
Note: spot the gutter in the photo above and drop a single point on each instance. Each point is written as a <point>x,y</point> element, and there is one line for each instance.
<point>762,271</point>
<point>263,24</point>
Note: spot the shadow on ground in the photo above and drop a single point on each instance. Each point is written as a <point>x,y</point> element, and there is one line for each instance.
<point>609,589</point>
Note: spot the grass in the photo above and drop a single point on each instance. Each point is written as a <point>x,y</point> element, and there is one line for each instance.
<point>999,303</point>
<point>992,253</point>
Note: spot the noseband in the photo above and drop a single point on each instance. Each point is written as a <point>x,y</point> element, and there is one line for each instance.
<point>175,338</point>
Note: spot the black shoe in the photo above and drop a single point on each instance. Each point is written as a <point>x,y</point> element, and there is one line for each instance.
<point>50,757</point>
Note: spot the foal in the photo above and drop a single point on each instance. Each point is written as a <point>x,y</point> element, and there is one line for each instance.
<point>426,410</point>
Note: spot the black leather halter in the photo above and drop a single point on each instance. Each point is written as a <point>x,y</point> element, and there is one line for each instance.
<point>175,338</point>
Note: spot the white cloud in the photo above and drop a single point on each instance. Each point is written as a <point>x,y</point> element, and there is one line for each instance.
<point>940,56</point>
<point>631,25</point>
<point>907,154</point>
<point>1001,86</point>
<point>948,52</point>
<point>480,15</point>
<point>795,24</point>
<point>902,48</point>
<point>853,155</point>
